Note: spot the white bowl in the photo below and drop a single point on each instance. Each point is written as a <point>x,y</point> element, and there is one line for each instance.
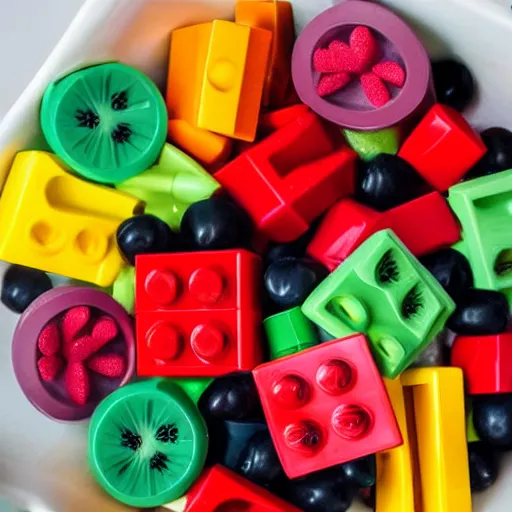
<point>43,463</point>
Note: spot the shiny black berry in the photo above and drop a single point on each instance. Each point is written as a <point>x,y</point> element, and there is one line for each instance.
<point>289,281</point>
<point>387,181</point>
<point>483,466</point>
<point>22,285</point>
<point>454,83</point>
<point>480,312</point>
<point>231,397</point>
<point>499,153</point>
<point>214,224</point>
<point>492,417</point>
<point>360,472</point>
<point>144,234</point>
<point>451,269</point>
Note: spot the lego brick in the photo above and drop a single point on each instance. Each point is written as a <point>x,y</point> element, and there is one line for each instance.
<point>395,482</point>
<point>222,91</point>
<point>279,180</point>
<point>289,332</point>
<point>220,489</point>
<point>437,397</point>
<point>197,314</point>
<point>483,207</point>
<point>277,17</point>
<point>277,119</point>
<point>485,361</point>
<point>169,187</point>
<point>430,147</point>
<point>326,405</point>
<point>382,290</point>
<point>424,225</point>
<point>210,149</point>
<point>54,221</point>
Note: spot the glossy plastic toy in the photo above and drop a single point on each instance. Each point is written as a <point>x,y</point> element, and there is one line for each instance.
<point>289,332</point>
<point>279,180</point>
<point>197,314</point>
<point>54,221</point>
<point>370,144</point>
<point>210,149</point>
<point>219,489</point>
<point>424,225</point>
<point>217,72</point>
<point>349,108</point>
<point>429,148</point>
<point>147,443</point>
<point>437,425</point>
<point>326,405</point>
<point>395,481</point>
<point>485,361</point>
<point>50,397</point>
<point>277,119</point>
<point>108,122</point>
<point>384,292</point>
<point>482,206</point>
<point>277,17</point>
<point>174,183</point>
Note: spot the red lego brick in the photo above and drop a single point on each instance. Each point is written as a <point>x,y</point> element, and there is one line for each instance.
<point>273,121</point>
<point>326,405</point>
<point>443,147</point>
<point>221,490</point>
<point>485,361</point>
<point>197,314</point>
<point>290,178</point>
<point>424,225</point>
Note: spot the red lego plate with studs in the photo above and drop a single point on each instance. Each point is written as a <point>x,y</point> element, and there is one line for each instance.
<point>197,314</point>
<point>326,405</point>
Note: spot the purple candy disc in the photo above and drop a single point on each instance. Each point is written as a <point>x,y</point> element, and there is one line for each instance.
<point>349,107</point>
<point>51,398</point>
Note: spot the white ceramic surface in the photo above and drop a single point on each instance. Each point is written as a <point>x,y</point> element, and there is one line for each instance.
<point>42,463</point>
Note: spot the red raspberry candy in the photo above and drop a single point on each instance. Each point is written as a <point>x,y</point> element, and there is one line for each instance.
<point>109,365</point>
<point>49,367</point>
<point>74,321</point>
<point>77,383</point>
<point>49,339</point>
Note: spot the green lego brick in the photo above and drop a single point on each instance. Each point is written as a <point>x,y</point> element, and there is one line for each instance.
<point>289,332</point>
<point>484,209</point>
<point>383,291</point>
<point>370,144</point>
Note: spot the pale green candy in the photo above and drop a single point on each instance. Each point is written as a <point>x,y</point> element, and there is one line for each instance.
<point>370,144</point>
<point>123,289</point>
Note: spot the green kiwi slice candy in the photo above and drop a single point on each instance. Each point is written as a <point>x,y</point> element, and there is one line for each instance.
<point>106,122</point>
<point>147,443</point>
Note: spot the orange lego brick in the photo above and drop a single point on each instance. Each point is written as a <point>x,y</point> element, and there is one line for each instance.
<point>217,72</point>
<point>209,149</point>
<point>276,16</point>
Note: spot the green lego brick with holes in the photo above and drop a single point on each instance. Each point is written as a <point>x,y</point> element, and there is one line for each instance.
<point>289,332</point>
<point>484,209</point>
<point>383,291</point>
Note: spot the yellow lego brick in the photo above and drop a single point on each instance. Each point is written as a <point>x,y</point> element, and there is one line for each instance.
<point>440,424</point>
<point>395,484</point>
<point>56,222</point>
<point>217,72</point>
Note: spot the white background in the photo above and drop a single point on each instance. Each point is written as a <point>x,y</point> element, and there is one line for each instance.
<point>26,40</point>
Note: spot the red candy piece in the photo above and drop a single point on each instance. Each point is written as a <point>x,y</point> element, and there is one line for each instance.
<point>326,405</point>
<point>375,90</point>
<point>49,339</point>
<point>74,321</point>
<point>105,330</point>
<point>338,58</point>
<point>49,367</point>
<point>364,46</point>
<point>390,72</point>
<point>77,383</point>
<point>109,365</point>
<point>332,83</point>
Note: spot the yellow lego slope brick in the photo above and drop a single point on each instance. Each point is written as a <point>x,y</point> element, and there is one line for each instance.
<point>217,73</point>
<point>54,221</point>
<point>440,421</point>
<point>395,484</point>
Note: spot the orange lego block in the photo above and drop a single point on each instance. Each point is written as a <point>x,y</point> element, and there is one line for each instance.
<point>217,72</point>
<point>209,149</point>
<point>276,16</point>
